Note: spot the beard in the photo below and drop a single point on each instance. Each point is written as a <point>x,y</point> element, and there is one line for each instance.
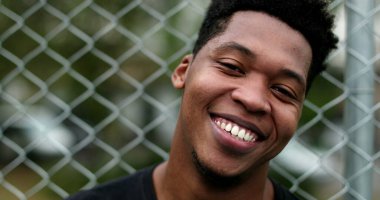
<point>213,177</point>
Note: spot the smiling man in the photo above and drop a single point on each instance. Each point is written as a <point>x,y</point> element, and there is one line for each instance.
<point>243,90</point>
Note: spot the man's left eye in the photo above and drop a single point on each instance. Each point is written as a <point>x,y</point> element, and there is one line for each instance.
<point>284,91</point>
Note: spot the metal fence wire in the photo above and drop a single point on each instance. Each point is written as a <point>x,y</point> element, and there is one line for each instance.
<point>85,97</point>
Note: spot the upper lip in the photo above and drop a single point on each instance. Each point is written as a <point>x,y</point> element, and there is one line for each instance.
<point>244,123</point>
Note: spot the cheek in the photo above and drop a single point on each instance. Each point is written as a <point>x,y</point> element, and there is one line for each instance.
<point>194,96</point>
<point>195,99</point>
<point>202,87</point>
<point>286,123</point>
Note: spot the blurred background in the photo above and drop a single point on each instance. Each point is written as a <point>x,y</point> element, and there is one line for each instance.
<point>85,97</point>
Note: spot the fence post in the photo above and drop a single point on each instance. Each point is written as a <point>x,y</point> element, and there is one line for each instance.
<point>359,79</point>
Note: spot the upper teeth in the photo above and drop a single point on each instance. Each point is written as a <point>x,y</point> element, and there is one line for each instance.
<point>236,131</point>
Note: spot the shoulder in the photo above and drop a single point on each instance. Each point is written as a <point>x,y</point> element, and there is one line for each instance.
<point>136,186</point>
<point>282,193</point>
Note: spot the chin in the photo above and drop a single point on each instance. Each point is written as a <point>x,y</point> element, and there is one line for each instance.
<point>217,177</point>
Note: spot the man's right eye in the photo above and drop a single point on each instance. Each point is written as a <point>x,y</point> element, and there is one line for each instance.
<point>231,68</point>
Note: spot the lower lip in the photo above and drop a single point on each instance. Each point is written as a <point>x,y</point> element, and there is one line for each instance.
<point>231,143</point>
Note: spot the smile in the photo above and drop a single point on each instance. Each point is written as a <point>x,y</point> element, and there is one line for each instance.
<point>235,130</point>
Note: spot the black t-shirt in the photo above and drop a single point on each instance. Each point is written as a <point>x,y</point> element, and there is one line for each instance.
<point>139,186</point>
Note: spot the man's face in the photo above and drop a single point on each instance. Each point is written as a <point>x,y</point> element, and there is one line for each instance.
<point>243,94</point>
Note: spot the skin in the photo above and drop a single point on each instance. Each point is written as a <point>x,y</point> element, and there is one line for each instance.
<point>253,75</point>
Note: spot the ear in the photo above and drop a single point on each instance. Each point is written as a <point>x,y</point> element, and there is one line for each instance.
<point>180,72</point>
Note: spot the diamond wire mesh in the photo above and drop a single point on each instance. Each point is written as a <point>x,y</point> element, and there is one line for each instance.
<point>85,97</point>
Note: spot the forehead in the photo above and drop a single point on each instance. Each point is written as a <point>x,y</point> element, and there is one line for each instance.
<point>249,24</point>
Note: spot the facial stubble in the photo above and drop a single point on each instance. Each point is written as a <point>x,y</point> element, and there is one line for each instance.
<point>213,177</point>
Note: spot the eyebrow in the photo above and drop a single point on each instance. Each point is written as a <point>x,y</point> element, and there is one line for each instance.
<point>235,47</point>
<point>293,75</point>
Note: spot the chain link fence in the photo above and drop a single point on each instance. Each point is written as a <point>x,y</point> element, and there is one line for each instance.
<point>85,97</point>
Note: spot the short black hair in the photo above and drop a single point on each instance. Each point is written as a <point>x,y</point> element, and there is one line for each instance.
<point>309,17</point>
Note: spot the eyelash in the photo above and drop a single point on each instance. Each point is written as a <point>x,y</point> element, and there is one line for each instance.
<point>284,91</point>
<point>232,67</point>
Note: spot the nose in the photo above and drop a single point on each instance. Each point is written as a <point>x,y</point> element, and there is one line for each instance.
<point>253,95</point>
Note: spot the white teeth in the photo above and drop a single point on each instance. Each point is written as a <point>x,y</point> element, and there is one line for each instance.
<point>250,137</point>
<point>223,125</point>
<point>235,130</point>
<point>247,137</point>
<point>228,127</point>
<point>241,135</point>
